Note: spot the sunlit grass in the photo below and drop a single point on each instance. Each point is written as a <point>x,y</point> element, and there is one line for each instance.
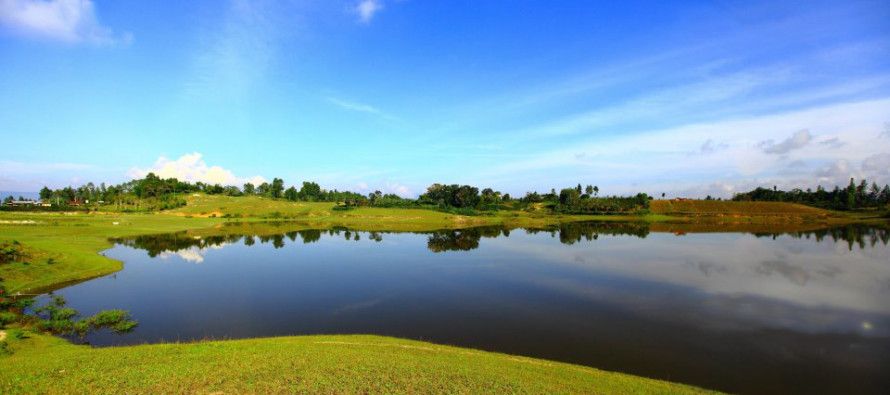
<point>303,364</point>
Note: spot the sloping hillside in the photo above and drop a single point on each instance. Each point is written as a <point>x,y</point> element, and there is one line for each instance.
<point>718,207</point>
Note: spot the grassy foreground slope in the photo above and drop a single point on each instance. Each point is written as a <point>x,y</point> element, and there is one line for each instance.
<point>303,364</point>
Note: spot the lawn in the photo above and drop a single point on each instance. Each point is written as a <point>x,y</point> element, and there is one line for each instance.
<point>301,364</point>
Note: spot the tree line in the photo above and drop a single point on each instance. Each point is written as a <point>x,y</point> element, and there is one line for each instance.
<point>155,193</point>
<point>855,196</point>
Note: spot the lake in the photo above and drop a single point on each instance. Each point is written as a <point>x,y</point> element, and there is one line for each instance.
<point>799,312</point>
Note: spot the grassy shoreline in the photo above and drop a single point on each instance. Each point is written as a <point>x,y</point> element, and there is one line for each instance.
<point>65,248</point>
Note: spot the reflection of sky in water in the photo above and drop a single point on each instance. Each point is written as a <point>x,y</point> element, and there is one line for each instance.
<point>723,310</point>
<point>192,254</point>
<point>804,284</point>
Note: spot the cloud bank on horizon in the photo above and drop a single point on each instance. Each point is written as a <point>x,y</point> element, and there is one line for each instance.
<point>192,168</point>
<point>396,95</point>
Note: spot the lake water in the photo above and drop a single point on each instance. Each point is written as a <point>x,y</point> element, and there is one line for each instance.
<point>788,313</point>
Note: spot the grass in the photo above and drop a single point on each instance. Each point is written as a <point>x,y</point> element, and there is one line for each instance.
<point>725,207</point>
<point>65,247</point>
<point>302,364</point>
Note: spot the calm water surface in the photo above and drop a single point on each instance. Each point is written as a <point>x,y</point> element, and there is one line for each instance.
<point>791,313</point>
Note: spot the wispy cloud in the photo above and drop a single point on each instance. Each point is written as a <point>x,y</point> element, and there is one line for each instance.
<point>70,21</point>
<point>192,167</point>
<point>13,167</point>
<point>358,107</point>
<point>710,147</point>
<point>832,142</point>
<point>661,160</point>
<point>235,55</point>
<point>366,9</point>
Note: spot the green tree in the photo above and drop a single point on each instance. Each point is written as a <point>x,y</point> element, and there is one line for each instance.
<point>277,187</point>
<point>310,191</point>
<point>291,193</point>
<point>46,193</point>
<point>249,189</point>
<point>851,195</point>
<point>569,197</point>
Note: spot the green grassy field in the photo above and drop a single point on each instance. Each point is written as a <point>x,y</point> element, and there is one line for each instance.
<point>302,364</point>
<point>65,247</point>
<point>726,207</point>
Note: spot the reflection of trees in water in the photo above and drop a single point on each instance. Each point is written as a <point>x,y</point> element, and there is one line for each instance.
<point>573,232</point>
<point>171,242</point>
<point>444,240</point>
<point>569,233</point>
<point>462,239</point>
<point>854,234</point>
<point>468,239</point>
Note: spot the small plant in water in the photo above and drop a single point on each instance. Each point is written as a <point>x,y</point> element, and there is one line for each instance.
<point>57,319</point>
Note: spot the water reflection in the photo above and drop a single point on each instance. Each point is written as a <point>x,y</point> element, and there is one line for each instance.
<point>784,312</point>
<point>855,235</point>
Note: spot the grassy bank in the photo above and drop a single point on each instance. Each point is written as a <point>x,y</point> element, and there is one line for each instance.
<point>303,364</point>
<point>64,247</point>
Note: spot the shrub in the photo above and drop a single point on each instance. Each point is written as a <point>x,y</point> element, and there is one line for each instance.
<point>55,318</point>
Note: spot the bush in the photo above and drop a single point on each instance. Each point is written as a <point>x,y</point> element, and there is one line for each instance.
<point>57,319</point>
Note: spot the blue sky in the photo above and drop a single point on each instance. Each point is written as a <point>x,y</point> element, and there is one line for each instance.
<point>688,98</point>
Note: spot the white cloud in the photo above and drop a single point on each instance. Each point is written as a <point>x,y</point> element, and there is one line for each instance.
<point>37,168</point>
<point>366,9</point>
<point>877,165</point>
<point>398,189</point>
<point>836,172</point>
<point>71,21</point>
<point>192,168</point>
<point>658,161</point>
<point>797,141</point>
<point>359,107</point>
<point>354,106</point>
<point>236,54</point>
<point>833,142</point>
<point>709,147</point>
<point>389,187</point>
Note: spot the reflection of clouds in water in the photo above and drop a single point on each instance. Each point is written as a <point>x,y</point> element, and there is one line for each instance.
<point>192,254</point>
<point>824,274</point>
<point>707,267</point>
<point>793,273</point>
